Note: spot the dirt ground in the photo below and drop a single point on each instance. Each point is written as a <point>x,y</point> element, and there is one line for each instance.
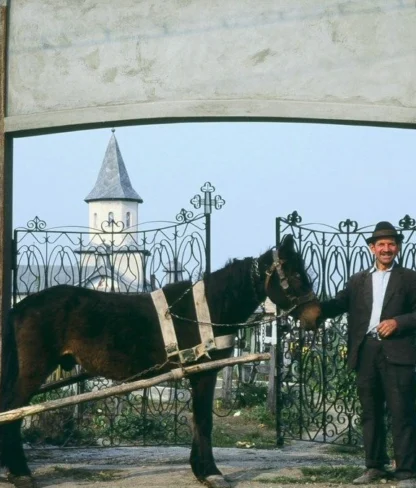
<point>167,467</point>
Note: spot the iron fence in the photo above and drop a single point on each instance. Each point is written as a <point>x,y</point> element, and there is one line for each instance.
<point>316,393</point>
<point>113,258</point>
<point>108,259</point>
<point>119,260</point>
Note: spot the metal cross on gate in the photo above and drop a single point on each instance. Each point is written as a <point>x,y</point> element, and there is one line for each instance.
<point>208,202</point>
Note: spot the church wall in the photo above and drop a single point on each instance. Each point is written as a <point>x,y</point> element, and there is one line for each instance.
<point>119,209</point>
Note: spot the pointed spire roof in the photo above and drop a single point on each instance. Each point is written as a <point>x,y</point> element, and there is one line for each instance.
<point>113,182</point>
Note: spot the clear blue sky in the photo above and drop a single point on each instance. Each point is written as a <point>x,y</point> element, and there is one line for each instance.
<point>263,170</point>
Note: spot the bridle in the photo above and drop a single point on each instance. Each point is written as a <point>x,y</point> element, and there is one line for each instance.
<point>295,301</point>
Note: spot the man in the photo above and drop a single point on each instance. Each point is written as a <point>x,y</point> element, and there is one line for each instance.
<point>381,307</point>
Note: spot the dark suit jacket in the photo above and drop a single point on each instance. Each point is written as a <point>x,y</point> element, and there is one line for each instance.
<point>399,303</point>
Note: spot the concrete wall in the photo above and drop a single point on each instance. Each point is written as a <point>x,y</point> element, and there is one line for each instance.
<point>88,61</point>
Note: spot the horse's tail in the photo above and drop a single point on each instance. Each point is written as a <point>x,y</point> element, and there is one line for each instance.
<point>9,371</point>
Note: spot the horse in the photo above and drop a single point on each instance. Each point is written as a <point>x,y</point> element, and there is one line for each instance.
<point>119,336</point>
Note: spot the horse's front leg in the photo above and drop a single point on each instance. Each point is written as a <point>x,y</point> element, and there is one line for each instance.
<point>202,458</point>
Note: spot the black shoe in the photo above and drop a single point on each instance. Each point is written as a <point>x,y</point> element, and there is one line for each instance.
<point>370,475</point>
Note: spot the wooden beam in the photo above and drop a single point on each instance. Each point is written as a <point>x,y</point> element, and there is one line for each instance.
<point>175,374</point>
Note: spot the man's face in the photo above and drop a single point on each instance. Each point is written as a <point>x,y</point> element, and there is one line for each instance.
<point>385,250</point>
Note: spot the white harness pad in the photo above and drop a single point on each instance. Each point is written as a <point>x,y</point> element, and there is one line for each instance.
<point>203,317</point>
<point>166,322</point>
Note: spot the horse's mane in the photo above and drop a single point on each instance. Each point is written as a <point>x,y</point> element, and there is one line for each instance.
<point>229,291</point>
<point>230,283</point>
<point>234,268</point>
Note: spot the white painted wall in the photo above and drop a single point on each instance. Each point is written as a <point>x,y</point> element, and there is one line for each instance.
<point>119,208</point>
<point>86,61</point>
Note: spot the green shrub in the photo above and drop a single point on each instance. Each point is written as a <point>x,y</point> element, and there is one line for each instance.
<point>251,394</point>
<point>261,414</point>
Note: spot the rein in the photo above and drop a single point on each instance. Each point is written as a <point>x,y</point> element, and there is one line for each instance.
<point>235,324</point>
<point>253,323</point>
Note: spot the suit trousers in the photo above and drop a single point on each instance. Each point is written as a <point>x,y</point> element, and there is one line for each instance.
<point>380,384</point>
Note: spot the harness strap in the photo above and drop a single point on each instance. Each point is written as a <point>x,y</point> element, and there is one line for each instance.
<point>276,265</point>
<point>194,353</point>
<point>224,342</point>
<point>284,283</point>
<point>203,316</point>
<point>306,298</point>
<point>166,323</point>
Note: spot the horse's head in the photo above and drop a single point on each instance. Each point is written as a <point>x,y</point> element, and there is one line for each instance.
<point>288,285</point>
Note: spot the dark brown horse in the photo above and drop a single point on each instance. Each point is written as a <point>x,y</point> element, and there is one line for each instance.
<point>119,336</point>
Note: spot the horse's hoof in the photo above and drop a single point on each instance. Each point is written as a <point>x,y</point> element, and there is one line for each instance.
<point>216,481</point>
<point>21,481</point>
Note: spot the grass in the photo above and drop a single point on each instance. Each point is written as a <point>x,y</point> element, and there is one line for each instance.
<point>319,474</point>
<point>254,427</point>
<point>356,451</point>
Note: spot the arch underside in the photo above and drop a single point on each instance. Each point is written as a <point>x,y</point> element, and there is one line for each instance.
<point>100,63</point>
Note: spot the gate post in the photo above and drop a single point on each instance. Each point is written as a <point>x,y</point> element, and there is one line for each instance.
<point>208,201</point>
<point>207,243</point>
<point>278,364</point>
<point>278,236</point>
<point>6,176</point>
<point>278,373</point>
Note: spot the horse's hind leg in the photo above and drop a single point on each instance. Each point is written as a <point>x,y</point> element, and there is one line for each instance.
<point>202,459</point>
<point>12,455</point>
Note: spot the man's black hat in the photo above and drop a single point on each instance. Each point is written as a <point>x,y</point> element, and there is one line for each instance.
<point>384,229</point>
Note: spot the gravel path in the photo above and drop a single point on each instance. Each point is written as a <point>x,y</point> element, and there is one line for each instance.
<point>167,467</point>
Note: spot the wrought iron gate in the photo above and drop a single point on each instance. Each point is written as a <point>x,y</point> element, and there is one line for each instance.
<point>316,395</point>
<point>113,258</point>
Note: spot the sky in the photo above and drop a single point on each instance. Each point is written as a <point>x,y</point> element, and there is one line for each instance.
<point>263,170</point>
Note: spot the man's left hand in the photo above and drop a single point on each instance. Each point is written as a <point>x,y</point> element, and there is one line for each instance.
<point>387,328</point>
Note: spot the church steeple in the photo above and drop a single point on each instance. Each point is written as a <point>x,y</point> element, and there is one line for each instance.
<point>113,198</point>
<point>113,182</point>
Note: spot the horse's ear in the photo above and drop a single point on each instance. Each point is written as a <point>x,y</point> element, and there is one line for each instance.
<point>287,247</point>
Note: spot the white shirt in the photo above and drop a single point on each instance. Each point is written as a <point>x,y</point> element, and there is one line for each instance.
<point>380,282</point>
